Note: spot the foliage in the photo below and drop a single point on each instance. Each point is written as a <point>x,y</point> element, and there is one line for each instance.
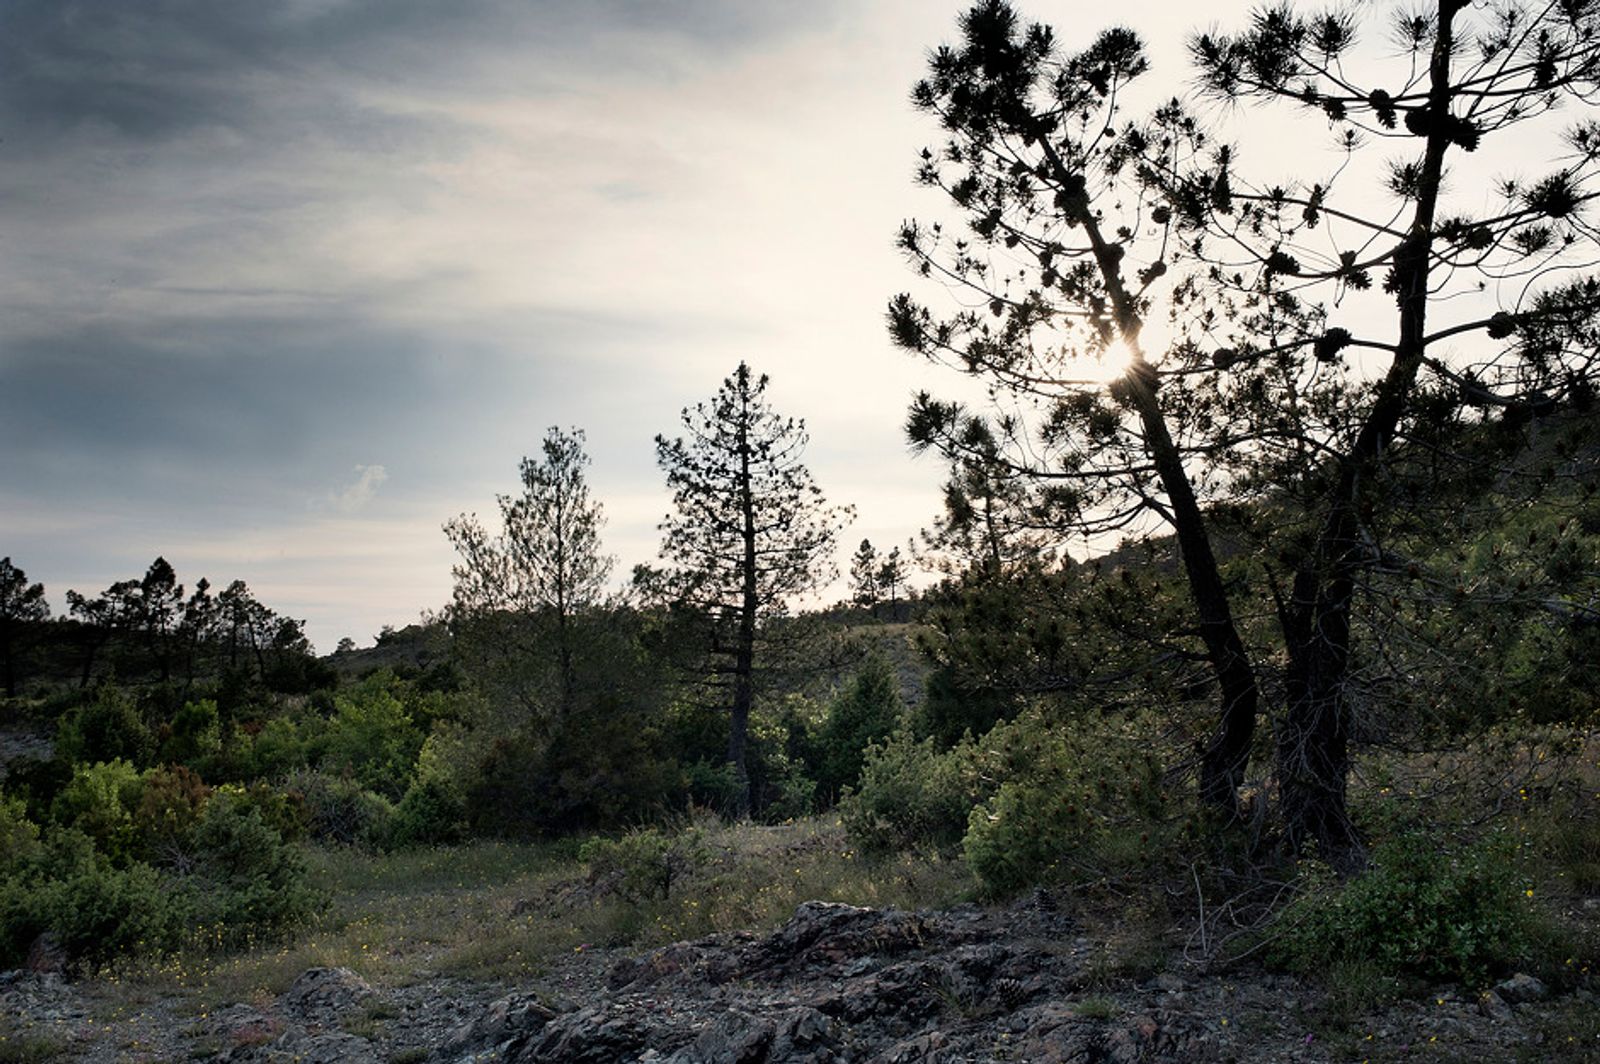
<point>432,811</point>
<point>1439,911</point>
<point>19,836</point>
<point>171,803</point>
<point>864,568</point>
<point>195,733</point>
<point>22,607</point>
<point>99,801</point>
<point>598,770</point>
<point>1082,228</point>
<point>868,711</point>
<point>645,863</point>
<point>749,530</point>
<point>911,795</point>
<point>1087,799</point>
<point>518,595</point>
<point>372,737</point>
<point>338,810</point>
<point>106,728</point>
<point>247,882</point>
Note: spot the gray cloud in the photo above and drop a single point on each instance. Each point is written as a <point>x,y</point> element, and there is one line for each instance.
<point>266,244</point>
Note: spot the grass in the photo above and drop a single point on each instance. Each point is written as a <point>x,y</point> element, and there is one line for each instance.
<point>23,1046</point>
<point>504,912</point>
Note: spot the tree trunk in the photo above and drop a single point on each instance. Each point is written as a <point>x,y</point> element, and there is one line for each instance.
<point>744,649</point>
<point>11,673</point>
<point>1223,763</point>
<point>1313,748</point>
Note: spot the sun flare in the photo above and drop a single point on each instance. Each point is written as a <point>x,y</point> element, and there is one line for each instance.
<point>1108,365</point>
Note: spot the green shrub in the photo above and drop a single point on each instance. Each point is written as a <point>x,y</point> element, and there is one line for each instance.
<point>194,734</point>
<point>19,836</point>
<point>431,812</point>
<point>282,811</point>
<point>711,784</point>
<point>170,803</point>
<point>99,801</point>
<point>37,782</point>
<point>912,795</point>
<point>338,810</point>
<point>372,736</point>
<point>1087,798</point>
<point>1423,908</point>
<point>236,879</point>
<point>644,864</point>
<point>600,769</point>
<point>95,910</point>
<point>868,711</point>
<point>108,728</point>
<point>278,748</point>
<point>247,881</point>
<point>101,912</point>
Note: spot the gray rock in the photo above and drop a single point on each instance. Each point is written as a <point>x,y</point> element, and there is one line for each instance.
<point>599,1034</point>
<point>1522,988</point>
<point>322,995</point>
<point>1494,1006</point>
<point>45,955</point>
<point>503,1028</point>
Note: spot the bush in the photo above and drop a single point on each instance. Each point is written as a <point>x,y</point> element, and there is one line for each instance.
<point>337,810</point>
<point>240,882</point>
<point>868,711</point>
<point>247,882</point>
<point>19,836</point>
<point>1087,797</point>
<point>194,734</point>
<point>99,801</point>
<point>431,812</point>
<point>95,910</point>
<point>372,736</point>
<point>644,864</point>
<point>108,728</point>
<point>911,795</point>
<point>599,770</point>
<point>278,748</point>
<point>1421,909</point>
<point>170,805</point>
<point>37,782</point>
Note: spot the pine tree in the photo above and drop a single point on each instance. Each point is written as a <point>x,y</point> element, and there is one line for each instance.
<point>864,576</point>
<point>749,530</point>
<point>1310,364</point>
<point>22,605</point>
<point>542,571</point>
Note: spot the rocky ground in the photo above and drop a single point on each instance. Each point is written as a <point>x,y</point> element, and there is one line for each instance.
<point>834,984</point>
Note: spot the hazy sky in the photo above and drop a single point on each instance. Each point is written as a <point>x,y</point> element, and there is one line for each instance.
<point>287,285</point>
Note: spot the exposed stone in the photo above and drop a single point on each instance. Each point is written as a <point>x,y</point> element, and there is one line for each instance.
<point>502,1028</point>
<point>1494,1006</point>
<point>1522,988</point>
<point>322,995</point>
<point>45,954</point>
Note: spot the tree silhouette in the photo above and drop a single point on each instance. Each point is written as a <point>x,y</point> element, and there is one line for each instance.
<point>22,605</point>
<point>1083,229</point>
<point>749,530</point>
<point>864,576</point>
<point>546,564</point>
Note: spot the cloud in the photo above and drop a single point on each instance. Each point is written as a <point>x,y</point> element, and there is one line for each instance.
<point>356,495</point>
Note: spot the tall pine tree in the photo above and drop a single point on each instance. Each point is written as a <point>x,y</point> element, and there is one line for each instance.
<point>749,530</point>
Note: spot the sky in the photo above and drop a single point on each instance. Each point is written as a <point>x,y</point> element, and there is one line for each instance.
<point>285,286</point>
